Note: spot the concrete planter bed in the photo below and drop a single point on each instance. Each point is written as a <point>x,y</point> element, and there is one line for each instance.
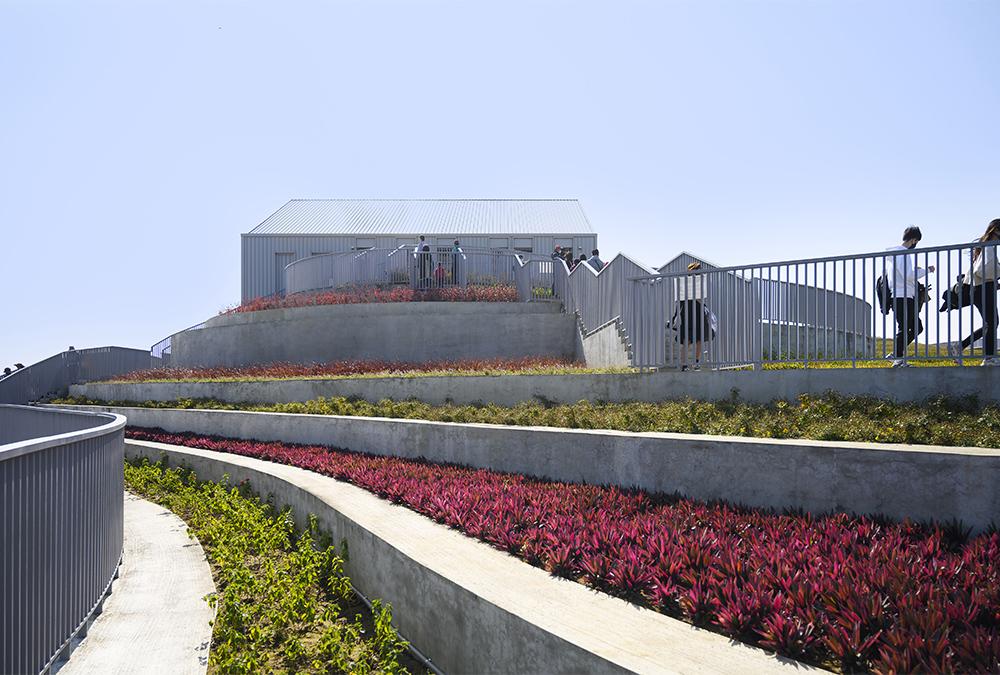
<point>798,584</point>
<point>283,602</point>
<point>469,607</point>
<point>906,384</point>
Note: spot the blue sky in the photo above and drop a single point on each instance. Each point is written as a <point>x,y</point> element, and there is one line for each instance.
<point>138,139</point>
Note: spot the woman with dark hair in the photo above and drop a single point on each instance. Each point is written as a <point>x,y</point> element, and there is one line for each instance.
<point>982,278</point>
<point>570,260</point>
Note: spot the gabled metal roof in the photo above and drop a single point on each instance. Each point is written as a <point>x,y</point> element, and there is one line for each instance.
<point>410,217</point>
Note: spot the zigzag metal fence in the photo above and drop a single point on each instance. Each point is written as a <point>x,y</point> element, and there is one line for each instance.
<point>800,311</point>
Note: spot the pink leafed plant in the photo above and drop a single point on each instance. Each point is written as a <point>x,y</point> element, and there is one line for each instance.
<point>347,368</point>
<point>374,294</point>
<point>855,593</point>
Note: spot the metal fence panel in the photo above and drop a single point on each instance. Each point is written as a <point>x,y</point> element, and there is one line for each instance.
<point>825,309</point>
<point>62,527</point>
<point>54,374</point>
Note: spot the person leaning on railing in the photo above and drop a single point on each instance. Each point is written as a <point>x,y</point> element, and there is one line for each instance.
<point>694,323</point>
<point>905,295</point>
<point>982,277</point>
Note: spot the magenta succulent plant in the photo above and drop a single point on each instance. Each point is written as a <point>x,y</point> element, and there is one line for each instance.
<point>852,592</point>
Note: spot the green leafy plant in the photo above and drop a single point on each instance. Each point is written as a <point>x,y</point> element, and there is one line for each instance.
<point>832,417</point>
<point>283,603</point>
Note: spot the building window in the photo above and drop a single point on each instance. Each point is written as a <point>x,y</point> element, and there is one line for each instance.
<point>499,243</point>
<point>523,245</point>
<point>363,244</point>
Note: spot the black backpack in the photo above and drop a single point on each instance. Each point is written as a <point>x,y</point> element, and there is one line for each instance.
<point>884,294</point>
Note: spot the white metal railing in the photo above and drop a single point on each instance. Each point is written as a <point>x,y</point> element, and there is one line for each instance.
<point>597,297</point>
<point>818,309</point>
<point>53,375</point>
<point>422,270</point>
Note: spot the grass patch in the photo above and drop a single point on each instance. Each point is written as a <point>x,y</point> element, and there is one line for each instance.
<point>831,417</point>
<point>366,369</point>
<point>284,604</point>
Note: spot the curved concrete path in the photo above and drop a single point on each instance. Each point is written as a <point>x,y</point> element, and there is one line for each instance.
<point>156,619</point>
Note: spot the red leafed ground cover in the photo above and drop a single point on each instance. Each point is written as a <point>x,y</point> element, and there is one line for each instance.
<point>354,296</point>
<point>853,593</point>
<point>344,368</point>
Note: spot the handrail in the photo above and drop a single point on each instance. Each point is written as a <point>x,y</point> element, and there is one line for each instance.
<point>55,373</point>
<point>62,524</point>
<point>833,259</point>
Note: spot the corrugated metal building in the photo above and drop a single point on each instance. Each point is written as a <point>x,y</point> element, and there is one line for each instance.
<point>305,227</point>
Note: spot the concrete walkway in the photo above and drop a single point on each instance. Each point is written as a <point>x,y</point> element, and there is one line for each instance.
<point>156,619</point>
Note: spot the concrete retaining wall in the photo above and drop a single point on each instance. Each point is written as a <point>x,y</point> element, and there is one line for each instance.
<point>603,347</point>
<point>413,332</point>
<point>901,384</point>
<point>919,482</point>
<point>468,607</point>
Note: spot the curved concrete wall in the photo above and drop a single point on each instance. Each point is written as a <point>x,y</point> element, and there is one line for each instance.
<point>900,481</point>
<point>899,384</point>
<point>469,607</point>
<point>412,332</point>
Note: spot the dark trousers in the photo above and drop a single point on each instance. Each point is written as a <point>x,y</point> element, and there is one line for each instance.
<point>985,300</point>
<point>908,325</point>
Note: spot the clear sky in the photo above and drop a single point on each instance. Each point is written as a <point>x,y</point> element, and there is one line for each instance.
<point>138,139</point>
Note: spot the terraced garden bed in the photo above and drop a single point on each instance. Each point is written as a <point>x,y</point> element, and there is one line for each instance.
<point>845,592</point>
<point>369,294</point>
<point>283,603</point>
<point>937,421</point>
<point>532,365</point>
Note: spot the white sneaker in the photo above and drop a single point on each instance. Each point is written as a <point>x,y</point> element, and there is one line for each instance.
<point>900,363</point>
<point>990,361</point>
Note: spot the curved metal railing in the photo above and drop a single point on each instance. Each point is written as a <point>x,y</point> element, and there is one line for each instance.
<point>53,375</point>
<point>61,528</point>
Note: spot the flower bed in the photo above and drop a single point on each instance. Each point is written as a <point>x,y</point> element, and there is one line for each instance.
<point>854,593</point>
<point>345,369</point>
<point>832,417</point>
<point>366,294</point>
<point>284,603</point>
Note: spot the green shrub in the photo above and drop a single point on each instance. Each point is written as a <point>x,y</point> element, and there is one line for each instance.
<point>283,603</point>
<point>937,421</point>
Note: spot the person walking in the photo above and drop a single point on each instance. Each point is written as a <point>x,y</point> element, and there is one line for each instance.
<point>570,260</point>
<point>905,295</point>
<point>982,280</point>
<point>595,260</point>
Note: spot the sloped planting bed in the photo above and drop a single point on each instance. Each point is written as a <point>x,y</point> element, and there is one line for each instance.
<point>284,603</point>
<point>846,592</point>
<point>533,365</point>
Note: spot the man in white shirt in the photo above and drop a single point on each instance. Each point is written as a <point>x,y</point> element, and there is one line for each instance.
<point>903,284</point>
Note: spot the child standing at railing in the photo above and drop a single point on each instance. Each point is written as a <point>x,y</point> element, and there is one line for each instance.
<point>440,275</point>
